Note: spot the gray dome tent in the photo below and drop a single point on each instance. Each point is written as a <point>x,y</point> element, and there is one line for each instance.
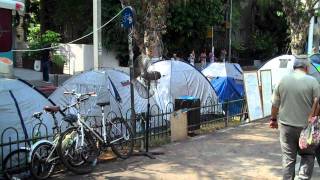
<point>19,100</point>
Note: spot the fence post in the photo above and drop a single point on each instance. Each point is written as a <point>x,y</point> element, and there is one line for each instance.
<point>226,120</point>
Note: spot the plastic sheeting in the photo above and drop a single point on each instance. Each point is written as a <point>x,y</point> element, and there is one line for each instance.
<point>226,79</point>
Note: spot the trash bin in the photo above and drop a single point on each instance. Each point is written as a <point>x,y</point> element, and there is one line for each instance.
<point>193,116</point>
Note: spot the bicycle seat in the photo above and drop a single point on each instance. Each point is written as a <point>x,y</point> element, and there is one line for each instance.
<point>103,104</point>
<point>52,109</point>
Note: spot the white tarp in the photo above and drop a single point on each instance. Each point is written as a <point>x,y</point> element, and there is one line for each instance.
<point>107,83</point>
<point>223,70</point>
<point>180,79</point>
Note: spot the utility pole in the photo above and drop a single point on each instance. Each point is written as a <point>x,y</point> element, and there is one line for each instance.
<point>230,32</point>
<point>97,45</point>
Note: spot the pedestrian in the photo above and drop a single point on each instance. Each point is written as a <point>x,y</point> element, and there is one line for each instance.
<point>223,55</point>
<point>192,57</point>
<point>292,101</point>
<point>46,64</point>
<point>211,55</point>
<point>203,59</point>
<point>316,112</point>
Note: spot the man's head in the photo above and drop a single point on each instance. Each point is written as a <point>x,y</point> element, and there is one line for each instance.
<point>301,62</point>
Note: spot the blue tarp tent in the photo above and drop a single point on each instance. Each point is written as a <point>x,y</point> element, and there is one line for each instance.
<point>227,81</point>
<point>227,88</point>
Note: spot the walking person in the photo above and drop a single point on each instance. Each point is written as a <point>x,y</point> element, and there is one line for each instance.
<point>192,58</point>
<point>46,64</point>
<point>292,100</point>
<point>203,59</point>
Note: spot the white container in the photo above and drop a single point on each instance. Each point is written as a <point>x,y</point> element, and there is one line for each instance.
<point>6,67</point>
<point>37,65</point>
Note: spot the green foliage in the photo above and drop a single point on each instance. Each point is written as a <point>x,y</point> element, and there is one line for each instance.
<point>37,41</point>
<point>58,59</point>
<point>187,25</point>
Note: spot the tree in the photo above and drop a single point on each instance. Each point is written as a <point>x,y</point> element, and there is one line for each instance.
<point>298,14</point>
<point>188,24</point>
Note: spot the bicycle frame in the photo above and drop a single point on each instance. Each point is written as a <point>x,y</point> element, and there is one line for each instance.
<point>82,124</point>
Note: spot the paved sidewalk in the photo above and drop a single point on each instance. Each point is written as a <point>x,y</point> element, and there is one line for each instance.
<point>247,152</point>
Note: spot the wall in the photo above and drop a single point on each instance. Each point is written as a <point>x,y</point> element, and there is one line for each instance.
<point>80,58</point>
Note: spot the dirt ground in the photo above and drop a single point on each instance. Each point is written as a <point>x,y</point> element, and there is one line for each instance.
<point>250,151</point>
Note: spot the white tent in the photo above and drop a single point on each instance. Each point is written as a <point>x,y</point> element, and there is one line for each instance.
<point>18,101</point>
<point>283,65</point>
<point>279,67</point>
<point>180,79</point>
<point>109,84</point>
<point>232,70</point>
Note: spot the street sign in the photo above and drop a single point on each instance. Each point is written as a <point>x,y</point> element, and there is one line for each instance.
<point>127,18</point>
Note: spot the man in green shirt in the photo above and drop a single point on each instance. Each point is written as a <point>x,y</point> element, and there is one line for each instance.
<point>292,101</point>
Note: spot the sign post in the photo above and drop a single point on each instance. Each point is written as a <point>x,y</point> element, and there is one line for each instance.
<point>127,23</point>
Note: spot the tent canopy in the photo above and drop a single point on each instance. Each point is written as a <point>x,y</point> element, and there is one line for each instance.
<point>18,102</point>
<point>109,84</point>
<point>180,79</point>
<point>226,79</point>
<point>283,65</point>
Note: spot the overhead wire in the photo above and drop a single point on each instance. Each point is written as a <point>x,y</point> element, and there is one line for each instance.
<point>89,34</point>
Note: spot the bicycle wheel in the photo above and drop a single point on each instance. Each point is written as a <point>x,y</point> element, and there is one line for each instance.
<point>120,137</point>
<point>80,160</point>
<point>16,166</point>
<point>41,164</point>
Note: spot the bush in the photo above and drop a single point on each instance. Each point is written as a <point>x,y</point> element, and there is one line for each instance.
<point>37,40</point>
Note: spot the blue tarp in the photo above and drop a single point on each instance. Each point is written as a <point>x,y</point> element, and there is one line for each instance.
<point>228,89</point>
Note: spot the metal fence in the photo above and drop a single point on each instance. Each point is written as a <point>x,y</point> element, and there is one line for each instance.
<point>213,115</point>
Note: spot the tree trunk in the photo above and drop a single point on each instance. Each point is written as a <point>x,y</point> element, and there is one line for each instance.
<point>299,38</point>
<point>20,43</point>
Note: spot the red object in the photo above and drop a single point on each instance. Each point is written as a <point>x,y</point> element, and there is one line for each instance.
<point>18,6</point>
<point>5,30</point>
<point>47,89</point>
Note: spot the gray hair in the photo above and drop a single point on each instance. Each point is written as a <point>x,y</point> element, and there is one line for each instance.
<point>301,61</point>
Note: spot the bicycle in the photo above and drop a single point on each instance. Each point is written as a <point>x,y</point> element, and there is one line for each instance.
<point>115,133</point>
<point>17,163</point>
<point>44,155</point>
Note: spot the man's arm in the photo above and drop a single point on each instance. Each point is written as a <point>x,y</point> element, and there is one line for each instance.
<point>274,112</point>
<point>273,123</point>
<point>315,109</point>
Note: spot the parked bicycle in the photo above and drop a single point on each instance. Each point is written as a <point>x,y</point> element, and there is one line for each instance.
<point>41,157</point>
<point>45,154</point>
<point>16,165</point>
<point>86,143</point>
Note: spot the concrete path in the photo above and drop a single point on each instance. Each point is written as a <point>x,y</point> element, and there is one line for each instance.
<point>247,152</point>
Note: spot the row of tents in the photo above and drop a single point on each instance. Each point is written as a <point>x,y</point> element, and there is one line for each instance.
<point>219,82</point>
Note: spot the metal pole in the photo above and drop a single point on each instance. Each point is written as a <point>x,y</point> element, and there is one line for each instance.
<point>133,114</point>
<point>97,45</point>
<point>230,31</point>
<point>310,35</point>
<point>211,38</point>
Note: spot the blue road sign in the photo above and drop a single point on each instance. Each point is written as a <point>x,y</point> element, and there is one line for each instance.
<point>127,17</point>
